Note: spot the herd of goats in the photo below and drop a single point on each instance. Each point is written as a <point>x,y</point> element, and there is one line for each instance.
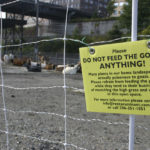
<point>41,63</point>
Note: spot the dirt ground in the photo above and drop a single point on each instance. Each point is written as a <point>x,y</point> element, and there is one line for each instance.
<point>36,122</point>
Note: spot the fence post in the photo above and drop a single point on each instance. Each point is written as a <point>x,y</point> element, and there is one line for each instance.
<point>134,38</point>
<point>56,59</point>
<point>37,30</point>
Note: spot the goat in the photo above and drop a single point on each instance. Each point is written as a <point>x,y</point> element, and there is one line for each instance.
<point>43,64</point>
<point>33,63</point>
<point>19,61</point>
<point>33,66</point>
<point>8,58</point>
<point>11,57</point>
<point>60,67</point>
<point>71,70</point>
<point>49,67</point>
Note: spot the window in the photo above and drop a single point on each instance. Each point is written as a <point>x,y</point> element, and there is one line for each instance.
<point>123,3</point>
<point>116,4</point>
<point>91,2</point>
<point>115,12</point>
<point>121,12</point>
<point>86,7</point>
<point>100,5</point>
<point>105,6</point>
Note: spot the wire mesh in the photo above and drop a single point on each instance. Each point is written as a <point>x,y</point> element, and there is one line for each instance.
<point>47,111</point>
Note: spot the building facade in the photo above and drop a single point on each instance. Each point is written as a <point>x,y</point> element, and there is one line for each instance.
<point>95,7</point>
<point>90,6</point>
<point>119,7</point>
<point>51,27</point>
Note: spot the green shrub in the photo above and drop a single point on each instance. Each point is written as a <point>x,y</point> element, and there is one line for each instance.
<point>114,33</point>
<point>146,31</point>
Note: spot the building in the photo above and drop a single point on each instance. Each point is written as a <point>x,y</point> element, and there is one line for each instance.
<point>90,6</point>
<point>50,27</point>
<point>119,6</point>
<point>95,7</point>
<point>56,27</point>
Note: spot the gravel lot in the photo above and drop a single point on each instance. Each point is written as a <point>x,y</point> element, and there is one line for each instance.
<point>36,122</point>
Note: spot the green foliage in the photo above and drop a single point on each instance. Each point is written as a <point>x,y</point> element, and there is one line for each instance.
<point>114,33</point>
<point>95,15</point>
<point>110,7</point>
<point>143,15</point>
<point>146,31</point>
<point>76,33</point>
<point>58,45</point>
<point>73,47</point>
<point>52,46</point>
<point>28,49</point>
<point>93,19</point>
<point>30,31</point>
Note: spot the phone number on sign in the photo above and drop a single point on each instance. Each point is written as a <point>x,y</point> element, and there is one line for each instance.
<point>133,108</point>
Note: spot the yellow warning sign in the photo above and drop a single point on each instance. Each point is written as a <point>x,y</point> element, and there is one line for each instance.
<point>117,78</point>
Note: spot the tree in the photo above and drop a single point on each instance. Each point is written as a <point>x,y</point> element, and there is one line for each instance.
<point>110,7</point>
<point>143,15</point>
<point>114,33</point>
<point>146,31</point>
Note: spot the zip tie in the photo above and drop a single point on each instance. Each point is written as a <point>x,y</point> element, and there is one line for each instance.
<point>64,86</point>
<point>65,116</point>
